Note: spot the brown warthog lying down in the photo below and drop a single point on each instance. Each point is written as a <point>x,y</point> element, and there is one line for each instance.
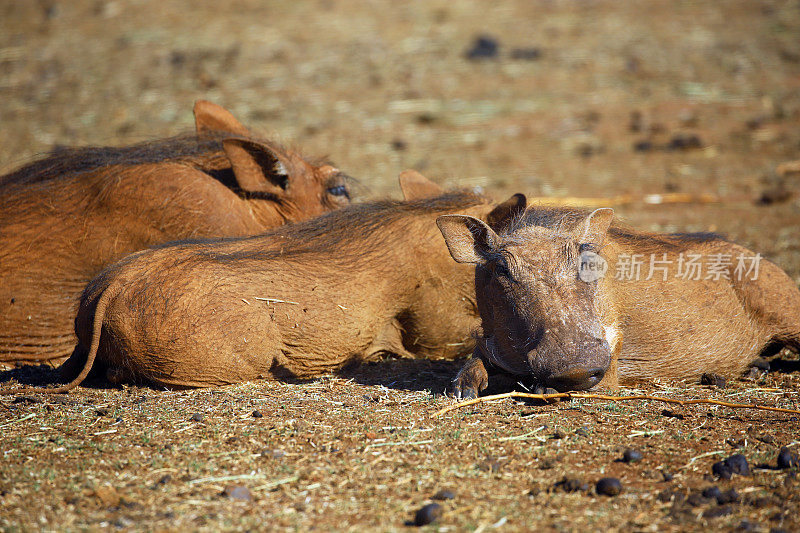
<point>301,300</point>
<point>64,218</point>
<point>667,306</point>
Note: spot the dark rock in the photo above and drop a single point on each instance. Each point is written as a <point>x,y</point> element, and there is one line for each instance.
<point>713,379</point>
<point>483,47</point>
<point>738,464</point>
<point>631,456</point>
<point>684,141</point>
<point>761,364</point>
<point>238,492</point>
<point>444,494</point>
<point>608,486</point>
<point>559,434</point>
<point>427,514</point>
<point>197,417</point>
<point>672,414</point>
<point>787,459</point>
<point>257,414</point>
<point>721,470</point>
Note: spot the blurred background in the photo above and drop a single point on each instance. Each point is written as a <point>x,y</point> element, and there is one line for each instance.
<point>550,98</point>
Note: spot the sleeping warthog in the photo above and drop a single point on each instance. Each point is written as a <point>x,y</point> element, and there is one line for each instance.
<point>64,218</point>
<point>571,301</point>
<point>299,301</point>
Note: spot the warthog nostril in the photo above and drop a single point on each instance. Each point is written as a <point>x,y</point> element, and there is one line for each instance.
<point>576,379</point>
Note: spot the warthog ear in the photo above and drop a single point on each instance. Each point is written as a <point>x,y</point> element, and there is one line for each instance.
<point>500,217</point>
<point>210,117</point>
<point>256,166</point>
<point>594,227</point>
<point>469,239</point>
<point>415,186</point>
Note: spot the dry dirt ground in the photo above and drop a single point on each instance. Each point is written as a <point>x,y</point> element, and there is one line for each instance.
<point>599,99</point>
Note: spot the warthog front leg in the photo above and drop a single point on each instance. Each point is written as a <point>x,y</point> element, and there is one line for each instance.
<point>471,379</point>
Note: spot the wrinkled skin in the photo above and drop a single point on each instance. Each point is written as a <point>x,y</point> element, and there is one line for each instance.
<point>64,218</point>
<point>544,324</point>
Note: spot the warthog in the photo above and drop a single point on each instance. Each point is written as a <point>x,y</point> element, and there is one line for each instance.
<point>298,301</point>
<point>64,218</point>
<point>570,301</point>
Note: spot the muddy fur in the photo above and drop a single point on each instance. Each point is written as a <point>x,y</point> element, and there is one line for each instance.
<point>540,320</point>
<point>298,301</point>
<point>64,218</point>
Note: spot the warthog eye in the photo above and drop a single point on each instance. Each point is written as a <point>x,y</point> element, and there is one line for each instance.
<point>500,269</point>
<point>339,190</point>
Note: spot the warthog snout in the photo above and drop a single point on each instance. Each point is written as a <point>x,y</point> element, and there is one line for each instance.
<point>539,317</point>
<point>576,379</point>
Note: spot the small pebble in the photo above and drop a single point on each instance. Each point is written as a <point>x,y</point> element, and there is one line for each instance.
<point>631,456</point>
<point>559,434</point>
<point>684,141</point>
<point>713,379</point>
<point>738,464</point>
<point>444,494</point>
<point>672,414</point>
<point>721,470</point>
<point>761,364</point>
<point>787,459</point>
<point>257,414</point>
<point>197,417</point>
<point>427,514</point>
<point>609,486</point>
<point>238,492</point>
<point>483,47</point>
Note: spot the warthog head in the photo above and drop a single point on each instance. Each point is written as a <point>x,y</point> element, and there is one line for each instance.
<point>539,316</point>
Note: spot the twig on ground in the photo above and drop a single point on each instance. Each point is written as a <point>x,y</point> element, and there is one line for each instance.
<point>606,397</point>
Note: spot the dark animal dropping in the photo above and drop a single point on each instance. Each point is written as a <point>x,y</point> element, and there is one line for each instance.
<point>721,470</point>
<point>738,464</point>
<point>428,514</point>
<point>631,456</point>
<point>787,459</point>
<point>484,47</point>
<point>609,486</point>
